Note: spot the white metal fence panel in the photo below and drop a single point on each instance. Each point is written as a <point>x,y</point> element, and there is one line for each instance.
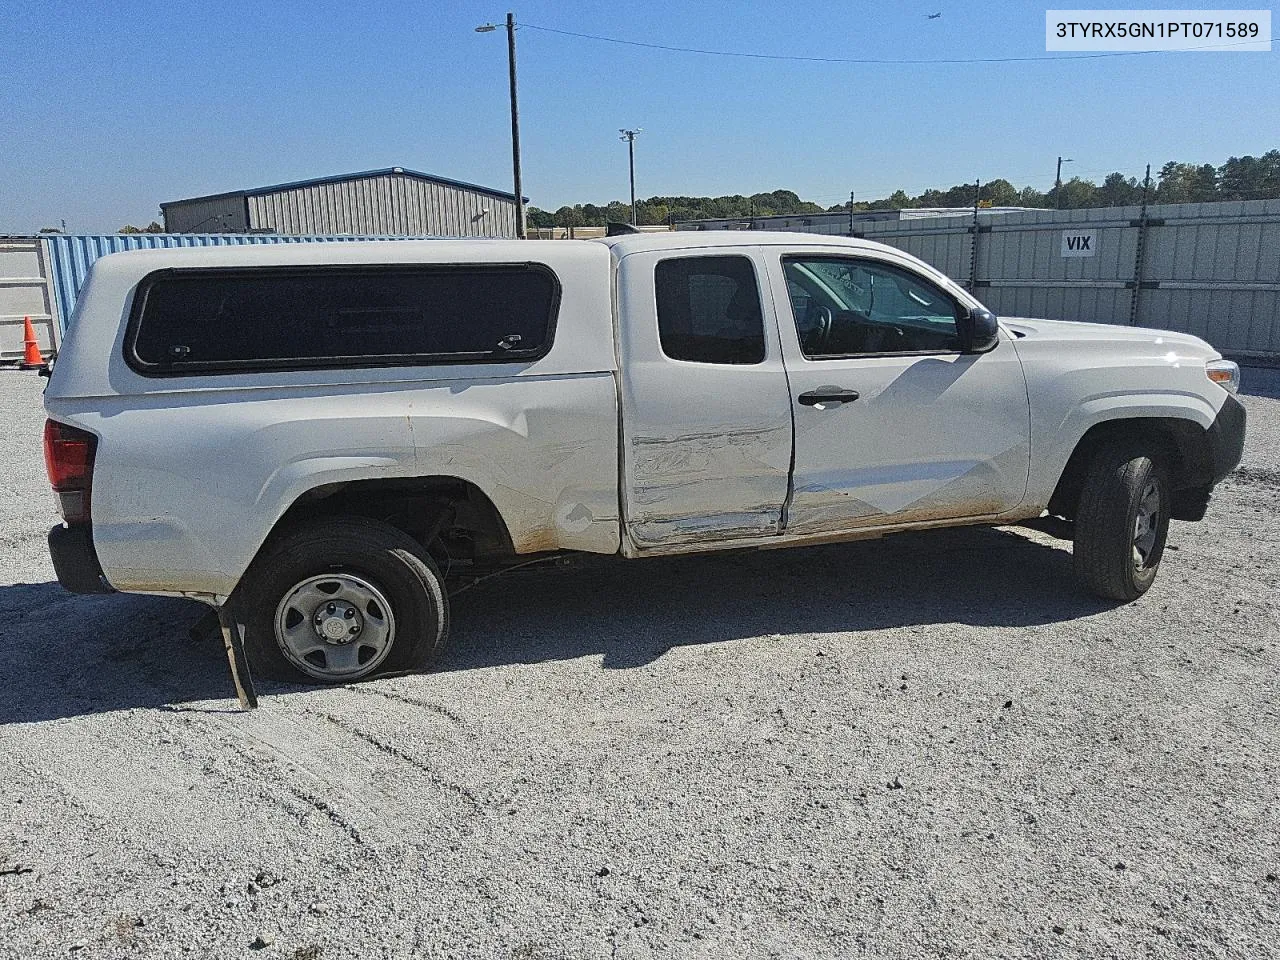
<point>25,291</point>
<point>1211,269</point>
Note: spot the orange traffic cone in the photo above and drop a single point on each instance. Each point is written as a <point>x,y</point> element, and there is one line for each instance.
<point>31,359</point>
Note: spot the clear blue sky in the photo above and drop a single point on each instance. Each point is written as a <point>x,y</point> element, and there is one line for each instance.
<point>106,109</point>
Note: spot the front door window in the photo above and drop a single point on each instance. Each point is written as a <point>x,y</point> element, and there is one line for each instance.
<point>847,307</point>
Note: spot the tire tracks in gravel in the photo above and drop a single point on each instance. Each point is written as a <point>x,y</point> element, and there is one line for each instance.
<point>1253,476</point>
<point>371,691</point>
<point>395,752</point>
<point>39,779</point>
<point>197,746</point>
<point>254,768</point>
<point>275,757</point>
<point>292,759</point>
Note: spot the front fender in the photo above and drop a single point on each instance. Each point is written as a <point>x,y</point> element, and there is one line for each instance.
<point>1052,452</point>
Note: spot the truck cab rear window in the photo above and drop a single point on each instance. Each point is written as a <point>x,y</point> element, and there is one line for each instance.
<point>709,310</point>
<point>208,320</point>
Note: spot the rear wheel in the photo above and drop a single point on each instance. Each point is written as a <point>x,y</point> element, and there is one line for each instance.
<point>343,599</point>
<point>1122,521</point>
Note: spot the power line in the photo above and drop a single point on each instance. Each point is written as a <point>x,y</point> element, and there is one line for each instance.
<point>882,61</point>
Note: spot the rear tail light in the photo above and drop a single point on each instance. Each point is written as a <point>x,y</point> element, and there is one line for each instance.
<point>68,458</point>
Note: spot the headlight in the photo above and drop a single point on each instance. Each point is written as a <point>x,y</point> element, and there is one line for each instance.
<point>1224,373</point>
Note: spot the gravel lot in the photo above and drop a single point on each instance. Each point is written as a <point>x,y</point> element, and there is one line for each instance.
<point>929,745</point>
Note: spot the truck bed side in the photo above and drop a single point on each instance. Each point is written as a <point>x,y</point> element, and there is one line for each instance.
<point>193,472</point>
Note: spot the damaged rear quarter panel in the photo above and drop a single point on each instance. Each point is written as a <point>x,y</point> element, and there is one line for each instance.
<point>545,451</point>
<point>166,510</point>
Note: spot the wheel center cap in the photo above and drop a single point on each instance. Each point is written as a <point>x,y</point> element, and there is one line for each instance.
<point>338,621</point>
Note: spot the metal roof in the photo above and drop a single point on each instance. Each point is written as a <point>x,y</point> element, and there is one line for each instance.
<point>339,178</point>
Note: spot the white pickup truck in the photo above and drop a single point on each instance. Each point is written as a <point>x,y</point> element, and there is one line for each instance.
<point>309,434</point>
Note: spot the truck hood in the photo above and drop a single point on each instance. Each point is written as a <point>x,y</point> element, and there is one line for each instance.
<point>1067,331</point>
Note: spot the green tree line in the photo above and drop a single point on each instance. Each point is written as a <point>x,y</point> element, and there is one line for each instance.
<point>1240,178</point>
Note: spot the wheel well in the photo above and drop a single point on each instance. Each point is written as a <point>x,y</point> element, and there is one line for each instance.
<point>1183,444</point>
<point>447,514</point>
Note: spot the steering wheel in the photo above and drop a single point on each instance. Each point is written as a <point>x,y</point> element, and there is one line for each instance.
<point>826,319</point>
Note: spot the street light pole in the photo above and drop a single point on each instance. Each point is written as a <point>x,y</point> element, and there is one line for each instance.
<point>515,118</point>
<point>630,137</point>
<point>1057,182</point>
<point>515,126</point>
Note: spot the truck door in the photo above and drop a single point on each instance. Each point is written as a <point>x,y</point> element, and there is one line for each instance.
<point>893,423</point>
<point>706,413</point>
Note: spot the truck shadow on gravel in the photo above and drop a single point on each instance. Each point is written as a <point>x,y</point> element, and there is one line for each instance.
<point>64,656</point>
<point>631,612</point>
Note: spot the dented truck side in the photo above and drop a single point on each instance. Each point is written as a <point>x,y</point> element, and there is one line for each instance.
<point>696,392</point>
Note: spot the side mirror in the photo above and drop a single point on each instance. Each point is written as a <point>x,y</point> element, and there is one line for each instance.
<point>979,331</point>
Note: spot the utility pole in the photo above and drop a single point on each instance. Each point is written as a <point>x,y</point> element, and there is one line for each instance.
<point>1057,182</point>
<point>515,118</point>
<point>630,137</point>
<point>851,213</point>
<point>1140,249</point>
<point>515,126</point>
<point>973,244</point>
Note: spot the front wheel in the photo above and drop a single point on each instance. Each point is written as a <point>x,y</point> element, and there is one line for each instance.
<point>1122,522</point>
<point>343,599</point>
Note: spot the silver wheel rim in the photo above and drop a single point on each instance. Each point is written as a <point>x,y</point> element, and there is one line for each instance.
<point>1146,525</point>
<point>335,626</point>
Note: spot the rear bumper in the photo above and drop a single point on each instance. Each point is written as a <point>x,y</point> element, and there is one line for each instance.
<point>75,561</point>
<point>1226,438</point>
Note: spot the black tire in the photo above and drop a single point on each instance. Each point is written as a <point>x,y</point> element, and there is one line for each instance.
<point>352,553</point>
<point>1117,487</point>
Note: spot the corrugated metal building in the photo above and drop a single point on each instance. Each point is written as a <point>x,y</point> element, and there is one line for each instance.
<point>389,202</point>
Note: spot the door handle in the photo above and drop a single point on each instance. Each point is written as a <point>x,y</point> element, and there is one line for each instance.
<point>827,395</point>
